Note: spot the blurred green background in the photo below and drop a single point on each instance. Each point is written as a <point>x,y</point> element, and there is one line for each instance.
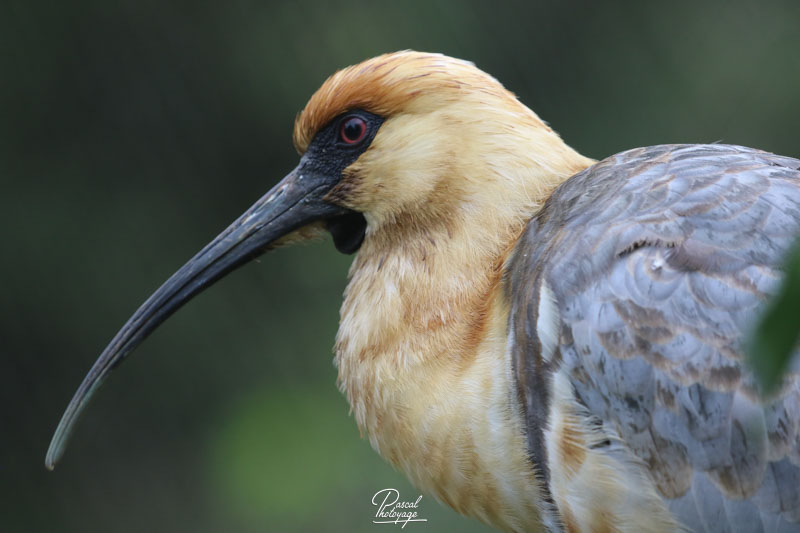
<point>131,133</point>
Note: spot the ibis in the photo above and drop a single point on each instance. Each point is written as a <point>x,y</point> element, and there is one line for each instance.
<point>541,341</point>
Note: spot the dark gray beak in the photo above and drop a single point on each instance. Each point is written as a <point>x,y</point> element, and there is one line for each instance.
<point>295,202</point>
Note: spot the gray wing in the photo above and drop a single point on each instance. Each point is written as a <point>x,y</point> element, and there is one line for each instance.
<point>659,259</point>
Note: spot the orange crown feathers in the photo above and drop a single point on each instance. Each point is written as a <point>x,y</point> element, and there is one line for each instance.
<point>385,85</point>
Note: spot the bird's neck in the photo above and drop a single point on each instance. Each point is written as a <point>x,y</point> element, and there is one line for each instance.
<point>421,287</point>
<point>421,348</point>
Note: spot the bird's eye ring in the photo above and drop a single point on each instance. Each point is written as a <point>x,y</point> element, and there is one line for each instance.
<point>352,130</point>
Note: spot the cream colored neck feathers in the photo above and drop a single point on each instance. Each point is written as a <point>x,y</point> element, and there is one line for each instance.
<point>452,176</point>
<point>421,343</point>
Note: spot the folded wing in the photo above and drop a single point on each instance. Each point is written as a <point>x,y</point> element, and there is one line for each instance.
<point>639,281</point>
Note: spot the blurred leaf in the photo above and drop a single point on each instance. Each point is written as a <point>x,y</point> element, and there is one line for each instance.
<point>775,338</point>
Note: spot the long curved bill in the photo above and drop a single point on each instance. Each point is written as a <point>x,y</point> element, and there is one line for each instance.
<point>294,202</point>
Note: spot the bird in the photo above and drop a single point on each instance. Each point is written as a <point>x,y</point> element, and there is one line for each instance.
<point>540,340</point>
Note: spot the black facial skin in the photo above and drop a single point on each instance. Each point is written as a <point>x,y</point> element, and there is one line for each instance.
<point>328,154</point>
<point>298,200</point>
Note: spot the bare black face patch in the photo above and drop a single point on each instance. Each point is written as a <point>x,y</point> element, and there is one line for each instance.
<point>334,148</point>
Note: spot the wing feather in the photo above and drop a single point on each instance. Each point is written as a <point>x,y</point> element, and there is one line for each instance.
<point>659,259</point>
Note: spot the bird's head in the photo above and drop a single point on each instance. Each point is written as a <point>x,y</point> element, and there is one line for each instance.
<point>414,137</point>
<point>401,141</point>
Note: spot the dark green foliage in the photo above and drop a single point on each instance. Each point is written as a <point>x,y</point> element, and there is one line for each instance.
<point>775,338</point>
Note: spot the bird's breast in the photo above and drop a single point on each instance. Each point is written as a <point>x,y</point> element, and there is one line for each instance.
<point>436,401</point>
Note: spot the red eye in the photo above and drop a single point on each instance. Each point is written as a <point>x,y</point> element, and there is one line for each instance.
<point>353,130</point>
